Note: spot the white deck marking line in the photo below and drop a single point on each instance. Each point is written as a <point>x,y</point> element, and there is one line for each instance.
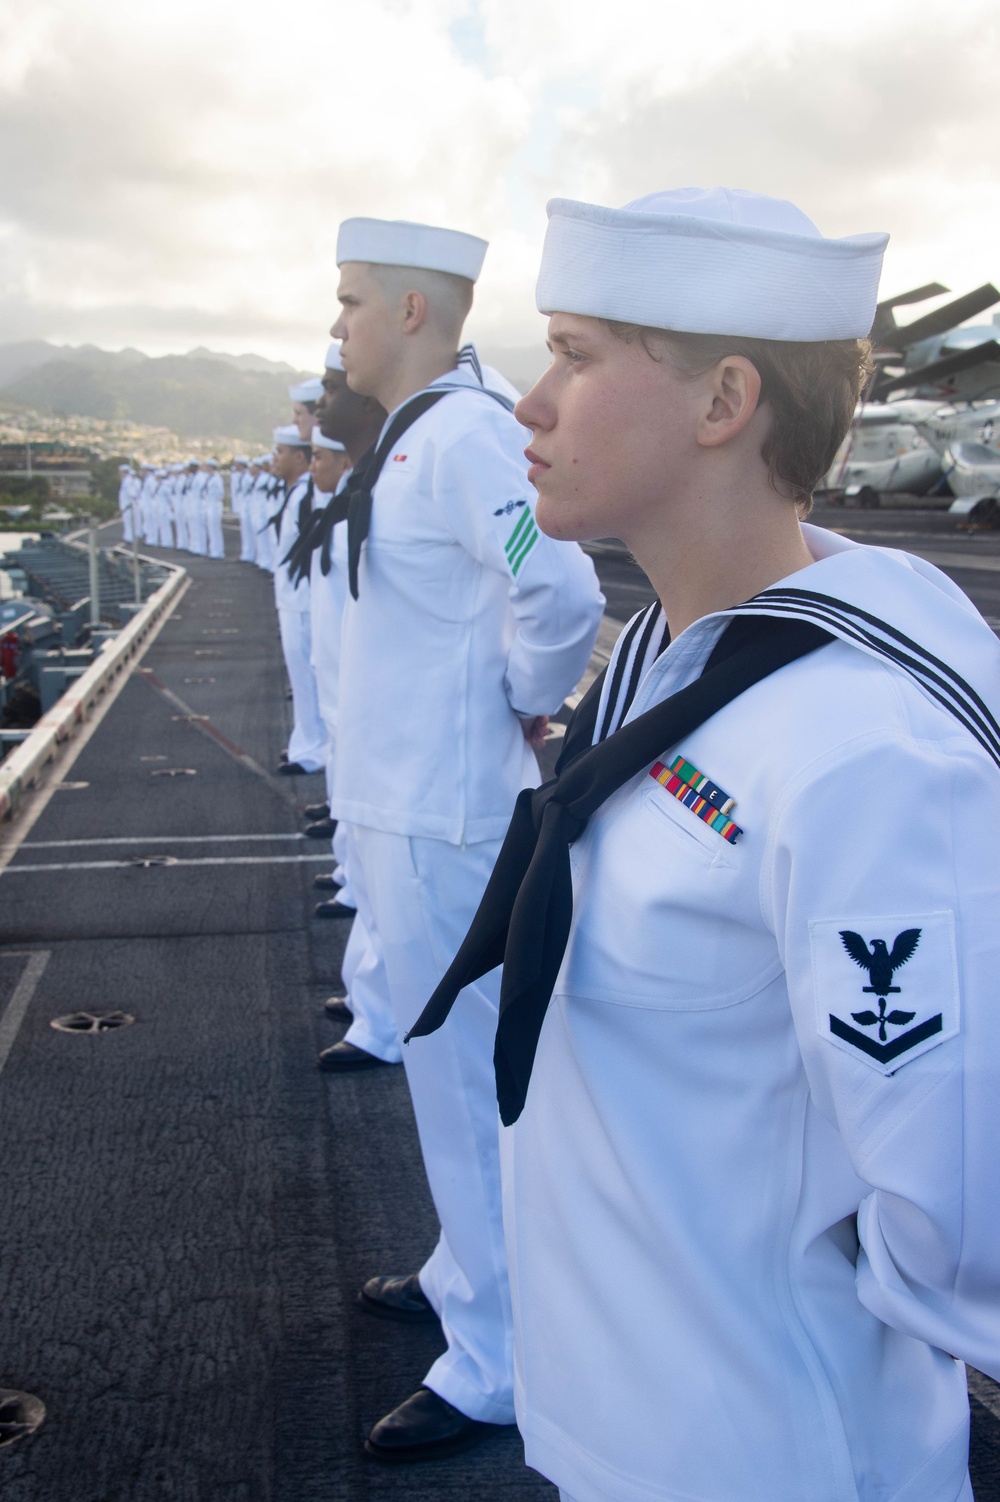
<point>207,860</point>
<point>153,839</point>
<point>31,810</point>
<point>10,1022</point>
<point>203,723</point>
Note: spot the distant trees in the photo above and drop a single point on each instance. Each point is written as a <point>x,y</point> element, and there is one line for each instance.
<point>33,491</point>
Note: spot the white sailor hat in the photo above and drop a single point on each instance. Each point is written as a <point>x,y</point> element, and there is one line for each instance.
<point>320,441</point>
<point>396,242</point>
<point>709,261</point>
<point>333,358</point>
<point>124,468</point>
<point>241,459</point>
<point>289,437</point>
<point>307,391</point>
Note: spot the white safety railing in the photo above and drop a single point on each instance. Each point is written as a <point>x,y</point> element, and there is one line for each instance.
<point>21,769</point>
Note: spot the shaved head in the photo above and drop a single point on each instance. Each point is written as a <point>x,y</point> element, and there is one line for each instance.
<point>448,297</point>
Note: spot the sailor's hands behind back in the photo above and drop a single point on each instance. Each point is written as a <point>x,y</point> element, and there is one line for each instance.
<point>535,731</point>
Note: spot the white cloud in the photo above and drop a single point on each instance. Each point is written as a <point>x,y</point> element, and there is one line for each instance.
<point>175,174</point>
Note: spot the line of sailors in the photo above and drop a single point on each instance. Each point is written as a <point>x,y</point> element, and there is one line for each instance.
<point>732,1241</point>
<point>174,506</point>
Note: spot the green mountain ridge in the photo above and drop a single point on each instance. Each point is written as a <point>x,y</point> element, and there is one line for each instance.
<point>195,396</point>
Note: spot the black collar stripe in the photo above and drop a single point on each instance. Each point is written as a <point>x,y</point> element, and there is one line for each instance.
<point>639,663</point>
<point>983,728</point>
<point>963,701</point>
<point>832,603</point>
<point>622,654</point>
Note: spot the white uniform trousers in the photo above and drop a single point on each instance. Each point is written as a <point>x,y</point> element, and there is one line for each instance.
<point>126,523</point>
<point>166,526</point>
<point>267,549</point>
<point>248,550</point>
<point>213,519</point>
<point>423,895</point>
<point>197,536</point>
<point>363,968</point>
<point>307,742</point>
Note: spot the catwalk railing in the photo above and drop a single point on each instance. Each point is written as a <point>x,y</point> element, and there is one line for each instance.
<point>22,769</point>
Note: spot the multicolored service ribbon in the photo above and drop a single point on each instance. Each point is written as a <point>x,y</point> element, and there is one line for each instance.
<point>702,797</point>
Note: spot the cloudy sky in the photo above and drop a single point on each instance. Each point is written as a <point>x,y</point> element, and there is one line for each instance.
<point>173,171</point>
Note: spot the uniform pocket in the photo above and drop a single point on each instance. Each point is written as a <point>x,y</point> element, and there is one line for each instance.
<point>687,828</point>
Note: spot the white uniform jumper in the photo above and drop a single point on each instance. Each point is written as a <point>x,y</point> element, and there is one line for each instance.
<point>179,501</point>
<point>739,1252</point>
<point>466,615</point>
<point>264,507</point>
<point>363,967</point>
<point>248,532</point>
<point>125,506</point>
<point>146,511</point>
<point>307,742</point>
<point>213,501</point>
<point>165,512</point>
<point>197,534</point>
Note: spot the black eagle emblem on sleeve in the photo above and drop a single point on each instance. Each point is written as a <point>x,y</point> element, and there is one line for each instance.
<point>881,964</point>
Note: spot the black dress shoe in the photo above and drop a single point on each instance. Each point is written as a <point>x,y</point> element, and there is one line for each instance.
<point>290,769</point>
<point>425,1427</point>
<point>333,909</point>
<point>399,1298</point>
<point>322,829</point>
<point>316,811</point>
<point>325,883</point>
<point>344,1058</point>
<point>337,1008</point>
<point>283,755</point>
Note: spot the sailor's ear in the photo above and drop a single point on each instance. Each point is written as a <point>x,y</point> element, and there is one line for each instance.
<point>731,397</point>
<point>413,305</point>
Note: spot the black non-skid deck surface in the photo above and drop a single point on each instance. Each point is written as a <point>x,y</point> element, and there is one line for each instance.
<point>188,1205</point>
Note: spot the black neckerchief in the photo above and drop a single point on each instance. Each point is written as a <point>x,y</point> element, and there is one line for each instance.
<point>275,520</point>
<point>362,480</point>
<point>357,493</point>
<point>524,918</point>
<point>318,534</point>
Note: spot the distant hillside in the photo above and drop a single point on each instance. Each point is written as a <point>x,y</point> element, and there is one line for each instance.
<point>198,395</point>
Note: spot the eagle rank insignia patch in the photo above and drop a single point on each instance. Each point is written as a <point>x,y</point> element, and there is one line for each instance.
<point>886,988</point>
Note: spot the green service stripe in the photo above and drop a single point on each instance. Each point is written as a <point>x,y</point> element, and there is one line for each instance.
<point>512,541</point>
<point>529,543</point>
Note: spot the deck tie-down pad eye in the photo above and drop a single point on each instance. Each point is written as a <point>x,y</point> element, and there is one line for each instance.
<point>91,1022</point>
<point>21,1413</point>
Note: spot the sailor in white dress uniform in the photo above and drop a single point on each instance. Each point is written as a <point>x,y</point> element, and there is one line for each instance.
<point>213,501</point>
<point>750,1190</point>
<point>125,499</point>
<point>164,507</point>
<point>237,474</point>
<point>351,424</point>
<point>462,625</point>
<point>147,492</point>
<point>248,527</point>
<point>307,742</point>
